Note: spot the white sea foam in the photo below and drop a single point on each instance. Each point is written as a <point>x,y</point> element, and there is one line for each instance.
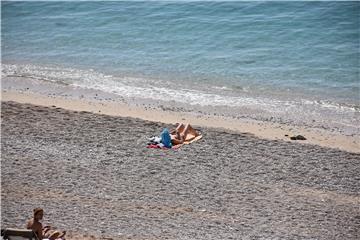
<point>157,89</point>
<point>53,74</point>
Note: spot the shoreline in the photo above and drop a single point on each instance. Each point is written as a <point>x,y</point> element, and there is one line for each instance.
<point>263,130</point>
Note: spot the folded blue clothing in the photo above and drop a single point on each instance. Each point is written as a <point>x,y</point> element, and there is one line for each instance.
<point>166,138</point>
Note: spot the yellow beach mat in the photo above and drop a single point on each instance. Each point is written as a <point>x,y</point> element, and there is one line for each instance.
<point>189,139</point>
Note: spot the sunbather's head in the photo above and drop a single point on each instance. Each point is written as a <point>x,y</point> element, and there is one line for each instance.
<point>38,214</point>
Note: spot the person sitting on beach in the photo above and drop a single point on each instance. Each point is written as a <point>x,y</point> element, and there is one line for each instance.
<point>183,133</point>
<point>35,224</point>
<point>42,233</point>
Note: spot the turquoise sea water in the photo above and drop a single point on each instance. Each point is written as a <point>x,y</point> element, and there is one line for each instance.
<point>269,54</point>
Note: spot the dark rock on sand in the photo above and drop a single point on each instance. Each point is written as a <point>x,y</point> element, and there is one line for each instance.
<point>298,137</point>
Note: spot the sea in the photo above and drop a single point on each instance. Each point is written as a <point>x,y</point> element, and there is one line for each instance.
<point>287,61</point>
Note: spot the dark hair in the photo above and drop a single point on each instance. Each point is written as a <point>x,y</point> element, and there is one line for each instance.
<point>37,210</point>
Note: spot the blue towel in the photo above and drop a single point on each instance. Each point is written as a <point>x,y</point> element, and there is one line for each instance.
<point>165,138</point>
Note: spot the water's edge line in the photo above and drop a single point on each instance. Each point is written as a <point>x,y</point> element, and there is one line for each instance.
<point>264,130</point>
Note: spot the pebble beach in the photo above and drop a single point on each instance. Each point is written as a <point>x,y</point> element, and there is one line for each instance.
<point>95,178</point>
<point>273,87</point>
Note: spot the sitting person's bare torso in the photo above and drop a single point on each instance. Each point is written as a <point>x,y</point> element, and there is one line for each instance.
<point>46,232</point>
<point>35,224</point>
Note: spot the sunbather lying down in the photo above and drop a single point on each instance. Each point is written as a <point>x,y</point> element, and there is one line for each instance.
<point>43,232</point>
<point>183,133</point>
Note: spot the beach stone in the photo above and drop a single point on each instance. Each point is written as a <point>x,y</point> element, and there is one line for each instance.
<point>298,137</point>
